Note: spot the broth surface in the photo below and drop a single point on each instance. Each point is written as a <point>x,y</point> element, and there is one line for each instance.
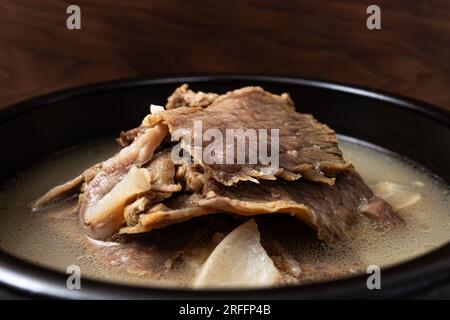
<point>53,239</point>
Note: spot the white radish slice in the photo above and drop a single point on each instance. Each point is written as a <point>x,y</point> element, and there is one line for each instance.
<point>239,260</point>
<point>397,195</point>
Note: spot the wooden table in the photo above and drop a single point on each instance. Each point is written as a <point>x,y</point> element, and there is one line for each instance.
<point>318,39</point>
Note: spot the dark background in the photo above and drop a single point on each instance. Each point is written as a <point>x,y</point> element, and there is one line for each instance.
<point>318,39</point>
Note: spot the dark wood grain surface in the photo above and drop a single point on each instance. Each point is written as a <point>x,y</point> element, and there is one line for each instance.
<point>319,39</point>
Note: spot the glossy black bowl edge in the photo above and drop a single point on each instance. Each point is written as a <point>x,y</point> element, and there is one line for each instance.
<point>436,113</point>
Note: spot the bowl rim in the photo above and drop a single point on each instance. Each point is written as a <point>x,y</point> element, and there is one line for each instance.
<point>406,277</point>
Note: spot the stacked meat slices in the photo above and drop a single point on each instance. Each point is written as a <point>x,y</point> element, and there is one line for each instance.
<point>141,188</point>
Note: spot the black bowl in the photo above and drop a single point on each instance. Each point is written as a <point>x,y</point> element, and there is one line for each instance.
<point>412,129</point>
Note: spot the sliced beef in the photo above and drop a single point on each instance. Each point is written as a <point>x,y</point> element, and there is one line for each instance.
<point>192,176</point>
<point>181,97</point>
<point>135,187</point>
<point>184,97</point>
<point>331,210</point>
<point>306,147</point>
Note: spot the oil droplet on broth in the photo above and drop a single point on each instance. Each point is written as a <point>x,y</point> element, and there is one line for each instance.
<point>425,227</point>
<point>427,247</point>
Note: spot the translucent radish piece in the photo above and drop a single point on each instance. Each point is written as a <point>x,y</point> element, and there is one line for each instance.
<point>239,260</point>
